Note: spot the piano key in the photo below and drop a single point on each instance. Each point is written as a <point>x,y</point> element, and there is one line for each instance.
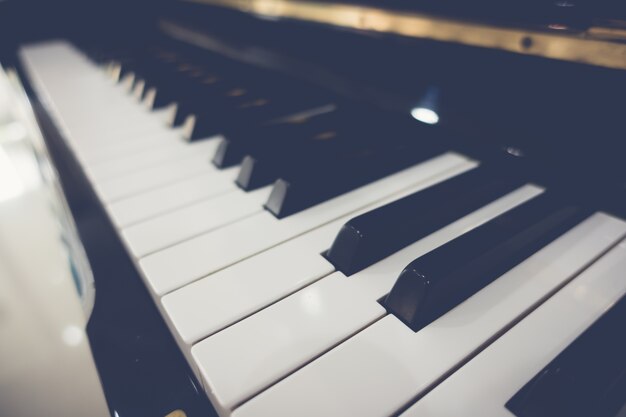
<point>272,136</point>
<point>157,77</point>
<point>485,384</point>
<point>104,139</point>
<point>133,145</point>
<point>393,364</point>
<point>109,108</point>
<point>176,150</point>
<point>164,115</point>
<point>110,112</point>
<point>311,321</point>
<point>126,81</point>
<point>431,285</point>
<point>151,178</point>
<point>108,133</point>
<point>174,227</point>
<point>347,132</point>
<point>318,135</point>
<point>149,204</point>
<point>587,379</point>
<point>233,293</point>
<point>125,145</point>
<point>138,89</point>
<point>251,112</point>
<point>190,260</point>
<point>340,172</point>
<point>218,95</point>
<point>370,237</point>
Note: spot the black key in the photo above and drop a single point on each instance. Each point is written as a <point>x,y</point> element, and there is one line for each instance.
<point>587,379</point>
<point>438,281</point>
<point>272,136</point>
<point>374,235</point>
<point>340,132</point>
<point>212,87</point>
<point>366,151</point>
<point>182,80</point>
<point>208,92</point>
<point>278,153</point>
<point>249,111</point>
<point>183,84</point>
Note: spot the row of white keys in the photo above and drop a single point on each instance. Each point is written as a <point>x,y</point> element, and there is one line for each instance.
<point>128,142</point>
<point>175,149</point>
<point>150,204</point>
<point>135,142</point>
<point>484,385</point>
<point>197,257</point>
<point>150,181</point>
<point>286,335</point>
<point>380,370</point>
<point>179,225</point>
<point>153,177</point>
<point>149,190</point>
<point>235,292</point>
<point>78,142</point>
<point>109,119</point>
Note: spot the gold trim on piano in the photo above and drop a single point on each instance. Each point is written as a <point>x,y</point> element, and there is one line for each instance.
<point>585,48</point>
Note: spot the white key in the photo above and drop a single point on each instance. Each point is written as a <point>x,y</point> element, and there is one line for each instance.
<point>188,261</point>
<point>135,145</point>
<point>92,138</point>
<point>119,143</point>
<point>187,222</point>
<point>176,150</point>
<point>151,178</point>
<point>381,369</point>
<point>488,381</point>
<point>150,204</point>
<point>233,293</point>
<point>295,330</point>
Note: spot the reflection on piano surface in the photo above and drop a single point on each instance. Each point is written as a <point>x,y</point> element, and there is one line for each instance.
<point>352,223</point>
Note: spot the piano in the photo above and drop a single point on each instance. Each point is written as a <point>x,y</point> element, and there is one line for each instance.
<point>311,208</point>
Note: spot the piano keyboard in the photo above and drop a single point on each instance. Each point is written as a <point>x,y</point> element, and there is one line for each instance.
<point>425,285</point>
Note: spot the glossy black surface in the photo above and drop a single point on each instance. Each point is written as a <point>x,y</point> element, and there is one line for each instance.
<point>279,148</point>
<point>372,236</point>
<point>275,138</point>
<point>587,379</point>
<point>361,149</point>
<point>224,96</point>
<point>438,281</point>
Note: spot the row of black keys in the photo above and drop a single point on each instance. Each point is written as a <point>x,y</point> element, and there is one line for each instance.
<point>438,281</point>
<point>301,139</point>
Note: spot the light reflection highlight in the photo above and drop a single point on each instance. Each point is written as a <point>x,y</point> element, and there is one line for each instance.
<point>425,115</point>
<point>72,335</point>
